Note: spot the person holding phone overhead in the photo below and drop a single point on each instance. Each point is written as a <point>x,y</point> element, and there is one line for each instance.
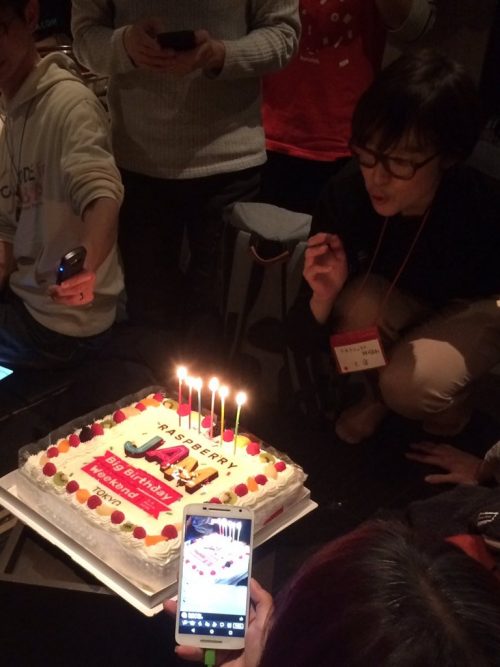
<point>187,137</point>
<point>402,278</point>
<point>59,190</point>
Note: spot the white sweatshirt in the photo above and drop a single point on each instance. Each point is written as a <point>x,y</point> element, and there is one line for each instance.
<point>55,149</point>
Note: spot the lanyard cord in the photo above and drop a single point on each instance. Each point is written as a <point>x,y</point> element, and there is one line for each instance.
<point>402,267</point>
<point>399,272</point>
<point>9,142</point>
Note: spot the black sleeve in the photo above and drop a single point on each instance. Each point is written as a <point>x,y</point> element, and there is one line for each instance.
<point>343,209</point>
<point>303,333</point>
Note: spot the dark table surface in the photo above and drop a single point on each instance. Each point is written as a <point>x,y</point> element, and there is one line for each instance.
<point>41,625</point>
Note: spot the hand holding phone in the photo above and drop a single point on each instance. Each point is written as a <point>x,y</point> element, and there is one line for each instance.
<point>260,615</point>
<point>179,40</point>
<point>74,284</point>
<point>71,264</point>
<point>214,572</point>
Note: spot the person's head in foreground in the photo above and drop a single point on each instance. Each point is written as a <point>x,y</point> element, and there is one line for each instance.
<point>386,596</point>
<point>418,118</point>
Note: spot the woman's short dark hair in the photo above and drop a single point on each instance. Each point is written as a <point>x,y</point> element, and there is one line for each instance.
<point>425,96</point>
<point>384,595</point>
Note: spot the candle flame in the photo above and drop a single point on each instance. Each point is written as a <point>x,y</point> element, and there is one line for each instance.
<point>190,381</point>
<point>241,398</point>
<point>198,384</point>
<point>182,372</point>
<point>213,385</point>
<point>223,392</point>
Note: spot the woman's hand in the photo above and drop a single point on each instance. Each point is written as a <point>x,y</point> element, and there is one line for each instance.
<point>260,611</point>
<point>460,467</point>
<point>326,271</point>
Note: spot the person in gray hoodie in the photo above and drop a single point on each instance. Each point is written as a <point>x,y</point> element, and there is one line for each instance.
<point>59,189</point>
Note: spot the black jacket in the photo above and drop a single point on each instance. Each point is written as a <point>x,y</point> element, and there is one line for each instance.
<point>456,256</point>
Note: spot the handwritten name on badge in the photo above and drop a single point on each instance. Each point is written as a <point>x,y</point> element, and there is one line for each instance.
<point>358,350</point>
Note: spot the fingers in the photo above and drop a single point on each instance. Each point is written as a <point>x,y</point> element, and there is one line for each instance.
<point>441,479</point>
<point>426,447</point>
<point>201,36</point>
<point>323,239</point>
<point>262,601</point>
<point>76,291</point>
<point>319,238</point>
<point>431,459</point>
<point>460,467</point>
<point>420,458</point>
<point>83,280</point>
<point>323,256</point>
<point>190,653</point>
<point>170,606</point>
<point>142,46</point>
<point>430,452</point>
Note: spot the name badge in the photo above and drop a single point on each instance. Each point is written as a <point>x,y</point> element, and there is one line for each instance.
<point>358,350</point>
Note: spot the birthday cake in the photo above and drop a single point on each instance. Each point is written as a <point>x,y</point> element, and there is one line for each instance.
<point>118,482</point>
<point>218,557</point>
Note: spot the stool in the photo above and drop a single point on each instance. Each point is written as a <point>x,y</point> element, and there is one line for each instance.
<point>266,236</point>
<point>266,268</point>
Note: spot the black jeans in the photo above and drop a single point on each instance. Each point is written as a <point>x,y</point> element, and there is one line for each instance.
<point>156,216</point>
<point>25,343</point>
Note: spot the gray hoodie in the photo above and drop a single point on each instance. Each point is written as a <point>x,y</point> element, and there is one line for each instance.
<point>55,151</point>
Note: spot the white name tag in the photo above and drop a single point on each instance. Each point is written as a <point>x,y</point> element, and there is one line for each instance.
<point>358,350</point>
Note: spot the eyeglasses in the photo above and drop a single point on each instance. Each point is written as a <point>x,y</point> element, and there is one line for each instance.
<point>395,166</point>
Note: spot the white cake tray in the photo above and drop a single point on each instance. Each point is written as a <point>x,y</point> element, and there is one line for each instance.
<point>144,601</point>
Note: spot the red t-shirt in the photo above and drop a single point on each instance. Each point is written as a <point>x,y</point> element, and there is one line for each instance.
<point>308,105</point>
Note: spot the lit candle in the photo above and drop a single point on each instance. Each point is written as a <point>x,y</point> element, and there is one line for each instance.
<point>181,374</point>
<point>190,382</point>
<point>223,394</point>
<point>198,385</point>
<point>241,398</point>
<point>213,385</point>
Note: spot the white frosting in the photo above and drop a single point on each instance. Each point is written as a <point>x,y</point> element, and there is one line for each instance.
<point>140,490</point>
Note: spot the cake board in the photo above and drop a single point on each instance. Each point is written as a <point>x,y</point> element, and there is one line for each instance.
<point>144,601</point>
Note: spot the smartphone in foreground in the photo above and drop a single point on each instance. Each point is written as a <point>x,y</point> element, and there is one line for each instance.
<point>215,565</point>
<point>71,264</point>
<point>179,40</point>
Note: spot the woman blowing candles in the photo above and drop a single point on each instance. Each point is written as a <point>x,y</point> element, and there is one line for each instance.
<point>405,243</point>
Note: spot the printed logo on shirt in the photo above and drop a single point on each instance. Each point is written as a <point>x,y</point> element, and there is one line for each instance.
<point>328,24</point>
<point>25,190</point>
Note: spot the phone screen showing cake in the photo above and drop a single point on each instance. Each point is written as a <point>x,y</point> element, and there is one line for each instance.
<point>215,570</point>
<point>4,372</point>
